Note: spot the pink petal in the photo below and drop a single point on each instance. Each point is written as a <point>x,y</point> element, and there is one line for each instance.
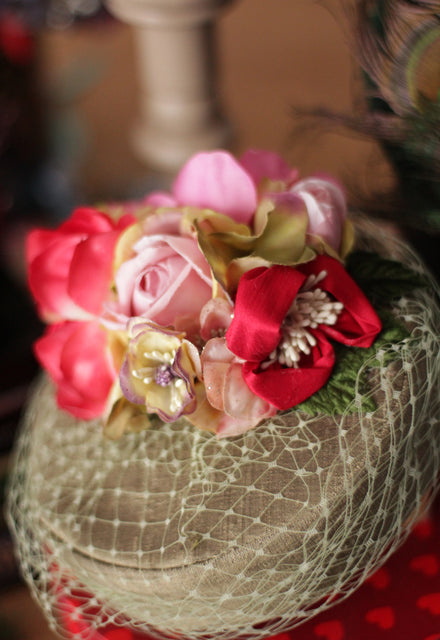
<point>160,199</point>
<point>287,200</point>
<point>266,164</point>
<point>215,316</point>
<point>165,222</point>
<point>240,402</point>
<point>229,427</point>
<point>76,357</point>
<point>73,402</point>
<point>215,180</point>
<point>326,208</point>
<point>216,361</point>
<point>48,348</point>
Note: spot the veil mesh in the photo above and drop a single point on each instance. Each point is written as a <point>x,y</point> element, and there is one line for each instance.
<point>174,532</point>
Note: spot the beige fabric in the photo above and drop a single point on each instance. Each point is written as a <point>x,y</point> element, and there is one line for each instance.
<point>181,533</point>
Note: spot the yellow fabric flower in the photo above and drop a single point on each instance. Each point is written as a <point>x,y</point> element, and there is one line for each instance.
<point>160,370</point>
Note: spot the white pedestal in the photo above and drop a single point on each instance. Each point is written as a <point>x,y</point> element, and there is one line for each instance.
<point>179,107</point>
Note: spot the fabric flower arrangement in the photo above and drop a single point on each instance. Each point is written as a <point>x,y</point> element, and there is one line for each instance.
<point>220,301</point>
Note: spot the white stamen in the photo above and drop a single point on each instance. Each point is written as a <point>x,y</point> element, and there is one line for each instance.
<point>178,390</point>
<point>312,307</point>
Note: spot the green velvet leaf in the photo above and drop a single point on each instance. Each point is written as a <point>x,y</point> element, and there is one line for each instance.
<point>382,280</point>
<point>338,394</point>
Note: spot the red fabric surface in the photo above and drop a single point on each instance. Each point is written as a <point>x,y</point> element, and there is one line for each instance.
<point>401,601</point>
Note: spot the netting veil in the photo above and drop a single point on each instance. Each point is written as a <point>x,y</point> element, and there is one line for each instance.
<point>174,532</point>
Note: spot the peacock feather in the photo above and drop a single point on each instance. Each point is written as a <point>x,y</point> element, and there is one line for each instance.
<point>398,46</point>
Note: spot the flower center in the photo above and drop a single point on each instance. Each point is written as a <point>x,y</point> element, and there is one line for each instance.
<point>163,375</point>
<point>312,307</point>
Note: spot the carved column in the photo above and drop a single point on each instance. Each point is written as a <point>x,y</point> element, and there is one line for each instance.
<point>179,110</point>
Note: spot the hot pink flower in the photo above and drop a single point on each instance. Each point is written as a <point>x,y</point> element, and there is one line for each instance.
<point>70,268</point>
<point>283,319</point>
<point>78,360</point>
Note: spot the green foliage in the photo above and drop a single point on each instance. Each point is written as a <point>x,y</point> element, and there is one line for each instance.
<point>383,280</point>
<point>338,394</point>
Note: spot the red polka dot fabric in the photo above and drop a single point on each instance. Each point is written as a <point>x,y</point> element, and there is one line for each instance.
<point>401,601</point>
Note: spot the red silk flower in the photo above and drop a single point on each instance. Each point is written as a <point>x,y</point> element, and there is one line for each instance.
<point>268,298</point>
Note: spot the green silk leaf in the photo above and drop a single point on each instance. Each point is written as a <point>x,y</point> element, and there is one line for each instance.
<point>338,396</point>
<point>230,249</point>
<point>383,280</point>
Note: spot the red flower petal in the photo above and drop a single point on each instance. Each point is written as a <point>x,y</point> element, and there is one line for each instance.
<point>70,267</point>
<point>287,387</point>
<point>48,272</point>
<point>91,271</point>
<point>263,299</point>
<point>358,324</point>
<point>85,220</point>
<point>76,357</point>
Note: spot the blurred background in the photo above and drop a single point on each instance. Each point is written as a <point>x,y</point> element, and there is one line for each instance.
<point>69,97</point>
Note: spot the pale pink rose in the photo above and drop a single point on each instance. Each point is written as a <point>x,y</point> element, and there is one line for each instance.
<point>78,360</point>
<point>227,391</point>
<point>326,207</point>
<point>166,221</point>
<point>168,279</point>
<point>70,268</point>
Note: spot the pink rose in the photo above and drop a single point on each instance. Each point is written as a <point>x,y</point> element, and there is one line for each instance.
<point>70,268</point>
<point>78,360</point>
<point>326,207</point>
<point>166,281</point>
<point>163,221</point>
